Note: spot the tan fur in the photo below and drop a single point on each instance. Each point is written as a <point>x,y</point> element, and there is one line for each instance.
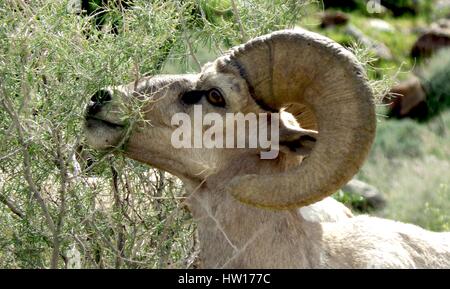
<point>236,235</point>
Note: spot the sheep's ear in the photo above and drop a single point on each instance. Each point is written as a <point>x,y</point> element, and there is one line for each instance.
<point>297,140</point>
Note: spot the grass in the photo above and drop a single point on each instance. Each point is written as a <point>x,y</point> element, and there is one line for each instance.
<point>410,164</point>
<point>435,80</point>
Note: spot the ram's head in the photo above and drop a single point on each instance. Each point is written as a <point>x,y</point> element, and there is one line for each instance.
<point>313,78</point>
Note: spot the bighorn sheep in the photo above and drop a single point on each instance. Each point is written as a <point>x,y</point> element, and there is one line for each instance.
<point>247,208</point>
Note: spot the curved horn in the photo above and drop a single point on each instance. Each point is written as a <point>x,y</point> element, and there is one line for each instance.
<point>300,67</point>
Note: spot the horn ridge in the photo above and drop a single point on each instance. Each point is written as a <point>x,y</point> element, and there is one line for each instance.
<point>301,67</point>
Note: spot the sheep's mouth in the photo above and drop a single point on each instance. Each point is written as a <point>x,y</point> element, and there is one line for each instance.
<point>95,120</point>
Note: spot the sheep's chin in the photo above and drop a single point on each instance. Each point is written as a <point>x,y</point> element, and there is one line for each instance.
<point>102,135</point>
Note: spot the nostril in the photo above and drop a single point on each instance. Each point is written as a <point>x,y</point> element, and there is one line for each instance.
<point>97,101</point>
<point>101,96</point>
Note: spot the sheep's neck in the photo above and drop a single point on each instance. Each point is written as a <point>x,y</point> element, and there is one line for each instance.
<point>232,234</point>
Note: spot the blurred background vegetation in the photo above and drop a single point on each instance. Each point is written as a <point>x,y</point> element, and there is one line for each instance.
<point>64,206</point>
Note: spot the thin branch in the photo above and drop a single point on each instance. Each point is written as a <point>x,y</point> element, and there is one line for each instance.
<point>188,42</point>
<point>11,206</point>
<point>239,22</point>
<point>62,193</point>
<point>27,162</point>
<point>9,154</point>
<point>118,209</point>
<point>22,216</point>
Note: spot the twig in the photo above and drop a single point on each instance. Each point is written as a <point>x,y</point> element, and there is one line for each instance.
<point>62,192</point>
<point>188,42</point>
<point>27,162</point>
<point>21,215</point>
<point>118,209</point>
<point>11,206</point>
<point>238,20</point>
<point>9,154</point>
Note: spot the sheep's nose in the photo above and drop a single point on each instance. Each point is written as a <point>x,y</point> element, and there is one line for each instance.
<point>97,101</point>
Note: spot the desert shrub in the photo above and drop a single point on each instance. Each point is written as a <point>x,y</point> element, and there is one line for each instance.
<point>399,139</point>
<point>397,7</point>
<point>345,5</point>
<point>352,201</point>
<point>435,81</point>
<point>400,7</point>
<point>409,163</point>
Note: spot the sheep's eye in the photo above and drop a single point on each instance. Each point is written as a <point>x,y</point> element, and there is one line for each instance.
<point>215,98</point>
